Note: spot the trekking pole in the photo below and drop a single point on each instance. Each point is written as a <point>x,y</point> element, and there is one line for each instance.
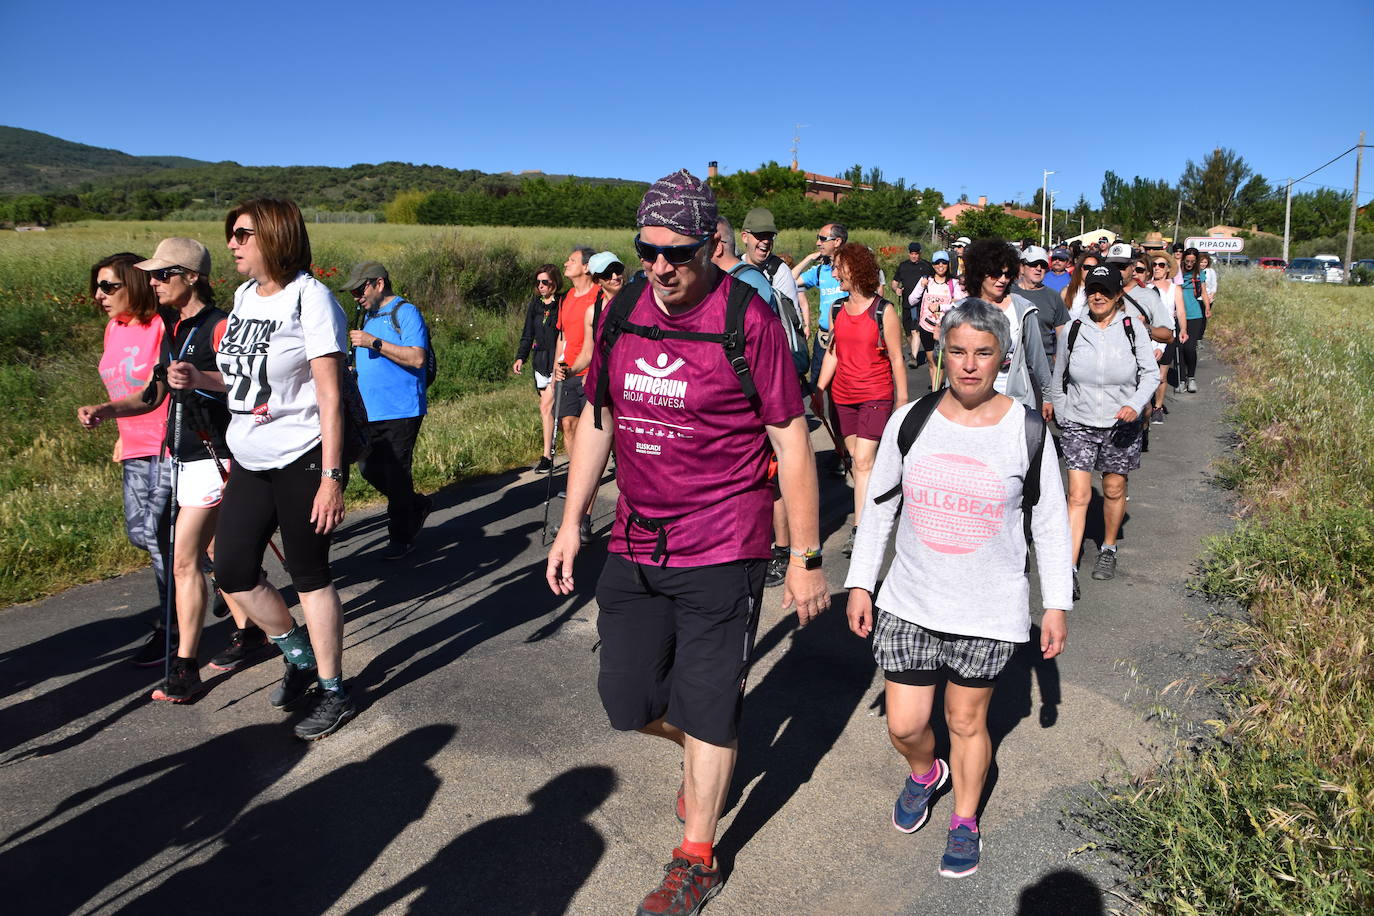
<point>553,456</point>
<point>169,563</point>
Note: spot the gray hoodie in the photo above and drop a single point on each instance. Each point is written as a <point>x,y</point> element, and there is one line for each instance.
<point>1104,373</point>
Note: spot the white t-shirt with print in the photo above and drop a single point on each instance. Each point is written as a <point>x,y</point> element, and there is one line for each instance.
<point>265,359</point>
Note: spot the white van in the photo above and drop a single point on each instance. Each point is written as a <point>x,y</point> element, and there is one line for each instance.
<point>1335,271</point>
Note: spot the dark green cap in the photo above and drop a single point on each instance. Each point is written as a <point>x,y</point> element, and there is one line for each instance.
<point>361,273</point>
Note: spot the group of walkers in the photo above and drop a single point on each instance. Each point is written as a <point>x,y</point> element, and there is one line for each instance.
<point>693,371</point>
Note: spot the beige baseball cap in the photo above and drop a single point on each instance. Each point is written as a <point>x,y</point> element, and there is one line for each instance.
<point>187,253</point>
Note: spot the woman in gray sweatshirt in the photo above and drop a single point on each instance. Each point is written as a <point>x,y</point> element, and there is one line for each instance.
<point>955,602</point>
<point>1103,379</point>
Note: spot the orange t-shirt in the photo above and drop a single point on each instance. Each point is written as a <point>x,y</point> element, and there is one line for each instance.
<point>572,316</point>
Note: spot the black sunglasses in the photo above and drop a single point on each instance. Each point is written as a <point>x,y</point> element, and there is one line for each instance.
<point>673,254</point>
<point>1038,265</point>
<point>163,274</point>
<point>765,236</point>
<point>106,287</point>
<point>1138,270</point>
<point>543,282</point>
<point>606,275</point>
<point>242,234</point>
<point>1164,264</point>
<point>360,288</point>
<point>1004,272</point>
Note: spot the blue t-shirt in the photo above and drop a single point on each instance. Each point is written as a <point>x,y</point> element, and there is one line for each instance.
<point>823,277</point>
<point>1057,282</point>
<point>1192,285</point>
<point>757,279</point>
<point>391,391</point>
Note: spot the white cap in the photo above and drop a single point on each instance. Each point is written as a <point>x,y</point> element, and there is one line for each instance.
<point>1120,252</point>
<point>963,240</point>
<point>1034,253</point>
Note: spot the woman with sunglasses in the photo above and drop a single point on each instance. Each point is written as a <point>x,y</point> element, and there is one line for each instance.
<point>1073,293</point>
<point>282,360</point>
<point>1161,265</point>
<point>1197,305</point>
<point>1102,383</point>
<point>932,297</point>
<point>133,340</point>
<point>540,338</point>
<point>863,368</point>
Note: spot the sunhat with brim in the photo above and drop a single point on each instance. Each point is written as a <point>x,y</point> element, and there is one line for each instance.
<point>184,253</point>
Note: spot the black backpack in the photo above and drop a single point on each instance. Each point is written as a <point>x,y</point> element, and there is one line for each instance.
<point>618,322</point>
<point>915,421</point>
<point>431,361</point>
<point>881,306</point>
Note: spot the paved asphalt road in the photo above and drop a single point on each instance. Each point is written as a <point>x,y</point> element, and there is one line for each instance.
<point>481,777</point>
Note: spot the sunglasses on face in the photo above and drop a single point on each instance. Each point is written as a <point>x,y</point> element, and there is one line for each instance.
<point>242,234</point>
<point>609,274</point>
<point>1004,272</point>
<point>543,281</point>
<point>1160,265</point>
<point>361,288</point>
<point>1138,270</point>
<point>766,236</point>
<point>1038,265</point>
<point>163,274</point>
<point>106,287</point>
<point>827,238</point>
<point>676,255</point>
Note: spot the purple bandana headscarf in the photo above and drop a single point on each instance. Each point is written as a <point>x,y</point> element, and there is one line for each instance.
<point>680,202</point>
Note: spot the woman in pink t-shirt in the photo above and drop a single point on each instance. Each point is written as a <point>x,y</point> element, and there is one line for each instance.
<point>133,341</point>
<point>863,367</point>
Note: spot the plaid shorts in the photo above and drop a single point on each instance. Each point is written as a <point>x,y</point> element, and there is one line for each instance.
<point>911,654</point>
<point>1090,448</point>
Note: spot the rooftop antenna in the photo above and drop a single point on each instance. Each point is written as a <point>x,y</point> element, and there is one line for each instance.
<point>796,144</point>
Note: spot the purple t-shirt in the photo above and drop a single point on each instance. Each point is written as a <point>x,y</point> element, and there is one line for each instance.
<point>689,446</point>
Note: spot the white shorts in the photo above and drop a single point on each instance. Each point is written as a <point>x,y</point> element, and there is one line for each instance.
<point>199,485</point>
<point>541,381</point>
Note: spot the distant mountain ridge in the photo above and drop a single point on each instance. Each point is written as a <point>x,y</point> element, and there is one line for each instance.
<point>36,163</point>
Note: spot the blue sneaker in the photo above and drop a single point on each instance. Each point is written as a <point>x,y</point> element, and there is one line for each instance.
<point>962,851</point>
<point>913,805</point>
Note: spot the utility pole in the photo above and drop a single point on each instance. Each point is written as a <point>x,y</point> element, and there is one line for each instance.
<point>1178,217</point>
<point>1287,219</point>
<point>1049,236</point>
<point>1044,193</point>
<point>1354,202</point>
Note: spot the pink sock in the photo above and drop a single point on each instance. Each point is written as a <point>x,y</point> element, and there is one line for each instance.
<point>929,776</point>
<point>955,821</point>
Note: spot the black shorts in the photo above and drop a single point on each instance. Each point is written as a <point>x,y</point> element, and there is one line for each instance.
<point>927,340</point>
<point>911,319</point>
<point>1167,357</point>
<point>675,644</point>
<point>571,397</point>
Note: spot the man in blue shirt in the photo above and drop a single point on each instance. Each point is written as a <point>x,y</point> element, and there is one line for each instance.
<point>390,352</point>
<point>828,241</point>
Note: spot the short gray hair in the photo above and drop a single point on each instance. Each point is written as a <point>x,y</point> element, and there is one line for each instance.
<point>727,236</point>
<point>981,316</point>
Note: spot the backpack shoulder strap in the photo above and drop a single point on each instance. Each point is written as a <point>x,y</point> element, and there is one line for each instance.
<point>878,308</point>
<point>616,320</point>
<point>1035,450</point>
<point>1068,348</point>
<point>735,307</point>
<point>912,424</point>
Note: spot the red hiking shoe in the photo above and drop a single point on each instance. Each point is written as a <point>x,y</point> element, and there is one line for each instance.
<point>687,885</point>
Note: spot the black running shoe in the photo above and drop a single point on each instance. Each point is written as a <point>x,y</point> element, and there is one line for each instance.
<point>544,465</point>
<point>295,684</point>
<point>584,530</point>
<point>182,683</point>
<point>777,568</point>
<point>154,652</point>
<point>242,644</point>
<point>333,710</point>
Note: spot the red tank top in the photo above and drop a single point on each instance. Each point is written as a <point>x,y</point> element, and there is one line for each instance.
<point>864,372</point>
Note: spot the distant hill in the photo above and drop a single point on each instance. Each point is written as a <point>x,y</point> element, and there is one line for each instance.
<point>38,163</point>
<point>77,179</point>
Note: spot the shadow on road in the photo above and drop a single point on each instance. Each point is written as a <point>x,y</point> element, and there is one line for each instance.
<point>1061,893</point>
<point>541,858</point>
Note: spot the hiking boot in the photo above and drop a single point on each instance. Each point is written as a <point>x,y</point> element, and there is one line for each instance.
<point>333,710</point>
<point>849,543</point>
<point>912,808</point>
<point>687,885</point>
<point>295,683</point>
<point>397,550</point>
<point>182,683</point>
<point>584,530</point>
<point>962,851</point>
<point>154,652</point>
<point>1106,564</point>
<point>544,465</point>
<point>777,568</point>
<point>242,644</point>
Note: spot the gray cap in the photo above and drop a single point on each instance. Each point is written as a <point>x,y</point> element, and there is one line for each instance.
<point>361,273</point>
<point>175,252</point>
<point>759,219</point>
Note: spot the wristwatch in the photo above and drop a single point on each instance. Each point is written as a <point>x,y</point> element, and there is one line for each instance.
<point>332,473</point>
<point>807,559</point>
<point>377,344</point>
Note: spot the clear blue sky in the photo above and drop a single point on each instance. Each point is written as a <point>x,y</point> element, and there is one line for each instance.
<point>972,97</point>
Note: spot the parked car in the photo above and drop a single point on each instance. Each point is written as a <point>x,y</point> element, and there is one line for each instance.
<point>1306,270</point>
<point>1362,271</point>
<point>1335,271</point>
<point>1272,264</point>
<point>1233,260</point>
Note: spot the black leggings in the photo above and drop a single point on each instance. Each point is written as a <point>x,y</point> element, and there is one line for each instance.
<point>1188,364</point>
<point>255,502</point>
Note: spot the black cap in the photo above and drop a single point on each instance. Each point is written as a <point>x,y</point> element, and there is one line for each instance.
<point>914,246</point>
<point>1106,277</point>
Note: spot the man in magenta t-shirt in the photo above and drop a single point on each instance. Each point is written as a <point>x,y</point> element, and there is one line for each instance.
<point>680,592</point>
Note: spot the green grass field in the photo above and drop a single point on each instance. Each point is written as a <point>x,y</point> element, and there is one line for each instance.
<point>1277,816</point>
<point>60,516</point>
